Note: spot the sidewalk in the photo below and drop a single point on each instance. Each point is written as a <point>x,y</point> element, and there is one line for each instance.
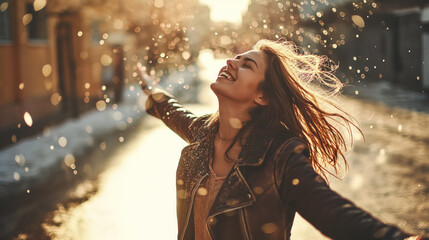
<point>33,160</point>
<point>390,95</point>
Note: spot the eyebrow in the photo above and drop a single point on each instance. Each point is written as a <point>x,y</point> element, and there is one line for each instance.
<point>247,59</point>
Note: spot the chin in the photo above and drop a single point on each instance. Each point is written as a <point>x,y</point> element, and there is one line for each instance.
<point>217,89</point>
<point>214,87</point>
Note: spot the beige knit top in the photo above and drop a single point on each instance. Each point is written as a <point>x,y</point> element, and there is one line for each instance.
<point>204,199</point>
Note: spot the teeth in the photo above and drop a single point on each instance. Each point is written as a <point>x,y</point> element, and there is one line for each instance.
<point>226,75</point>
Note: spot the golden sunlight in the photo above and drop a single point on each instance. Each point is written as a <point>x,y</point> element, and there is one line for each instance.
<point>226,10</point>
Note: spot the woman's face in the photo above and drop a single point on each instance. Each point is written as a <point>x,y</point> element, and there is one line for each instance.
<point>238,81</point>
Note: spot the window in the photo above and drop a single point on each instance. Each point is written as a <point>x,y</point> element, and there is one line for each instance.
<point>4,21</point>
<point>37,28</point>
<point>96,35</point>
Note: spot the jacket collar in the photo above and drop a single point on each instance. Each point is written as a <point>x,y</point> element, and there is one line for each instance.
<point>195,157</point>
<point>254,150</point>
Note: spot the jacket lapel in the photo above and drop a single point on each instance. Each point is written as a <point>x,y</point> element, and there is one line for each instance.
<point>254,150</point>
<point>235,192</point>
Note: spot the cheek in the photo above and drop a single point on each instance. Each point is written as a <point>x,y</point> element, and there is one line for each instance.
<point>250,82</point>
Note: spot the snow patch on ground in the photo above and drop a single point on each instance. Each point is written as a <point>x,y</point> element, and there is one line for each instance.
<point>26,161</point>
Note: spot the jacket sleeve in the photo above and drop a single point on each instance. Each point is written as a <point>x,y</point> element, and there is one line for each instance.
<point>164,106</point>
<point>336,217</point>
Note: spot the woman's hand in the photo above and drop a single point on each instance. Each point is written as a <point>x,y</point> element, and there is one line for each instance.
<point>422,237</point>
<point>145,79</point>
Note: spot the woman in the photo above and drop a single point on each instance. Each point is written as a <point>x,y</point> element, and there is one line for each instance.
<point>259,159</point>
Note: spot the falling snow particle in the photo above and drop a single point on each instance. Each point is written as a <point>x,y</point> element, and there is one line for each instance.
<point>4,6</point>
<point>46,70</point>
<point>39,4</point>
<point>358,20</point>
<point>103,146</point>
<point>26,19</point>
<point>28,120</point>
<point>106,60</point>
<point>69,160</point>
<point>62,141</point>
<point>100,105</point>
<point>16,176</point>
<point>20,159</point>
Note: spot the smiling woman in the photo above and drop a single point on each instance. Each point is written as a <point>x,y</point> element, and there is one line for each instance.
<point>262,157</point>
<point>240,79</point>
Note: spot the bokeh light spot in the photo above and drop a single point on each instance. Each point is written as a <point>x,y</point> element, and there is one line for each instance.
<point>106,60</point>
<point>16,176</point>
<point>202,191</point>
<point>4,6</point>
<point>20,159</point>
<point>295,181</point>
<point>158,3</point>
<point>26,19</point>
<point>62,141</point>
<point>55,99</point>
<point>186,55</point>
<point>258,190</point>
<point>69,160</point>
<point>235,123</point>
<point>100,105</point>
<point>39,4</point>
<point>269,228</point>
<point>46,70</point>
<point>28,119</point>
<point>358,20</point>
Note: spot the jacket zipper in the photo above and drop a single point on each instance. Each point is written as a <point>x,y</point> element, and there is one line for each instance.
<point>191,205</point>
<point>243,222</point>
<point>232,209</point>
<point>228,210</point>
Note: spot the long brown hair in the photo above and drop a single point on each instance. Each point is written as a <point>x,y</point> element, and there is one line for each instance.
<point>296,86</point>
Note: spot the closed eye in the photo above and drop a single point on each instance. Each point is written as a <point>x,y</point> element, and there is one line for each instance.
<point>247,59</point>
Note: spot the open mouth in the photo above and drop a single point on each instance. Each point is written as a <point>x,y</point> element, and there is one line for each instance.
<point>227,76</point>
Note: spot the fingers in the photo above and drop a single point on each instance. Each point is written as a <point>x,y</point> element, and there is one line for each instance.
<point>423,237</point>
<point>145,79</point>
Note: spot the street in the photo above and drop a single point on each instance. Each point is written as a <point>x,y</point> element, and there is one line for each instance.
<point>134,198</point>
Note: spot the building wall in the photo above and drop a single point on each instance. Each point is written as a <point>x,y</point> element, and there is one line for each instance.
<point>24,87</point>
<point>409,50</point>
<point>7,85</point>
<point>21,64</point>
<point>33,59</point>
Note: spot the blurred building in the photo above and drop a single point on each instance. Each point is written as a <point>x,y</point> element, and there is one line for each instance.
<point>57,59</point>
<point>382,39</point>
<point>370,39</point>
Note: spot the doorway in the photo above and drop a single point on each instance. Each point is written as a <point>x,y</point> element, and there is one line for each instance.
<point>67,69</point>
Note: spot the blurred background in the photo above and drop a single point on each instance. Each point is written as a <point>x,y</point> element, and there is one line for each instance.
<point>80,159</point>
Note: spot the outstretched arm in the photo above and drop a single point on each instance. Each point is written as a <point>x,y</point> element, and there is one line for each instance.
<point>164,106</point>
<point>336,217</point>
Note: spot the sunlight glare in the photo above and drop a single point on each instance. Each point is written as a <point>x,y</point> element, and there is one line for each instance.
<point>226,10</point>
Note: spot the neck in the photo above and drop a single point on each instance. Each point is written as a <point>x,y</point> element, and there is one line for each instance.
<point>231,118</point>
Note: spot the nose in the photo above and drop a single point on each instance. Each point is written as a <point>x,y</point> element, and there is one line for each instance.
<point>232,63</point>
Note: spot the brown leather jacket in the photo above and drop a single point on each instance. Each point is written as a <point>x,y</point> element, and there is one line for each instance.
<point>271,180</point>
